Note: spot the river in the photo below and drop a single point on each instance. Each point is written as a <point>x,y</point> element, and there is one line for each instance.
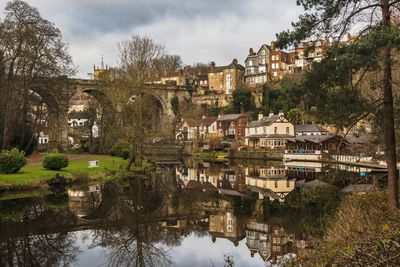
<point>192,214</point>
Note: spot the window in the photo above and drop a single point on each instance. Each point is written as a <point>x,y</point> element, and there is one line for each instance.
<point>275,130</point>
<point>228,83</point>
<point>250,63</point>
<point>273,57</point>
<point>276,184</point>
<point>287,184</point>
<point>275,74</point>
<point>287,130</point>
<point>265,129</point>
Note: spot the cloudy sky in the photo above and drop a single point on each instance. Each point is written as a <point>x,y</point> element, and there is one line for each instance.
<point>197,30</point>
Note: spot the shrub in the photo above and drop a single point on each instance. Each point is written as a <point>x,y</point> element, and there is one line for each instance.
<point>12,161</point>
<point>120,149</point>
<point>55,161</point>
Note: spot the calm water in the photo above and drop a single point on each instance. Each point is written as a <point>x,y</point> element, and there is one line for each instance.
<point>195,214</point>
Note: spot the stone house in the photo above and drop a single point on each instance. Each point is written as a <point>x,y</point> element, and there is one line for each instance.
<point>225,79</point>
<point>232,125</point>
<point>269,131</point>
<point>257,66</point>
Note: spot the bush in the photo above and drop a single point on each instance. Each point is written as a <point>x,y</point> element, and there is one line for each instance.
<point>55,161</point>
<point>120,149</point>
<point>12,161</point>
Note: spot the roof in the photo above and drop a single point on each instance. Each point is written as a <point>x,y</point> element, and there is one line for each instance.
<point>265,121</point>
<point>208,121</point>
<point>191,122</point>
<point>270,136</point>
<point>230,117</point>
<point>233,65</point>
<point>308,128</point>
<point>311,138</point>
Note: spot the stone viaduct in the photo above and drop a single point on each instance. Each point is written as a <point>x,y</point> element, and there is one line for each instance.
<point>57,92</point>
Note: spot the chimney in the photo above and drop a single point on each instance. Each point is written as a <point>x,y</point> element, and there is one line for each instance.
<point>235,61</point>
<point>270,114</point>
<point>273,45</point>
<point>260,116</point>
<point>251,52</point>
<point>212,65</point>
<point>281,113</point>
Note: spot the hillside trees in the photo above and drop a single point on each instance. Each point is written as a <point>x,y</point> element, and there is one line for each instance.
<point>354,79</point>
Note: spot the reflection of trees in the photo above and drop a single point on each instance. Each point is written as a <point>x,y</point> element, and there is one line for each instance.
<point>132,245</point>
<point>135,243</point>
<point>40,250</point>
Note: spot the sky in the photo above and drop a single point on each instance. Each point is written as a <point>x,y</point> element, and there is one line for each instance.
<point>197,30</point>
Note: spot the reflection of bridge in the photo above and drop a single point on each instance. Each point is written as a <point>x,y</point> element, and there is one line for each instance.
<point>56,93</point>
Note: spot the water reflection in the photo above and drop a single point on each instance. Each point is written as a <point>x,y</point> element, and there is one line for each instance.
<point>193,214</point>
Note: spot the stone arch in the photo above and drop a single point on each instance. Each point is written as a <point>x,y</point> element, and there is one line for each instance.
<point>57,115</point>
<point>109,113</point>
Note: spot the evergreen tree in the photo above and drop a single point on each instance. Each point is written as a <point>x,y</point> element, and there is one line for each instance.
<point>351,73</point>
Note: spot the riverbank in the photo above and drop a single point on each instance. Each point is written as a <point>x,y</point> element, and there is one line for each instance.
<point>35,176</point>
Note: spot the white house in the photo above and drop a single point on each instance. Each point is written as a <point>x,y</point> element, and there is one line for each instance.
<point>269,132</point>
<point>43,138</point>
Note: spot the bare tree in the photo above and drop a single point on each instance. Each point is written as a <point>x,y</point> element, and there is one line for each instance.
<point>31,48</point>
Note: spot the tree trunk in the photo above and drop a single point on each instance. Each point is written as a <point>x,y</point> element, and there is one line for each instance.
<point>389,134</point>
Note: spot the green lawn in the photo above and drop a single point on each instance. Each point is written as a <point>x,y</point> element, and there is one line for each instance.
<point>36,174</point>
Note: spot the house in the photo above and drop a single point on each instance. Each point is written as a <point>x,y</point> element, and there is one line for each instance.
<point>257,66</point>
<point>188,130</point>
<point>43,138</point>
<point>269,131</point>
<point>309,129</point>
<point>208,128</point>
<point>281,242</point>
<point>279,63</point>
<point>232,125</point>
<point>225,79</point>
<point>313,147</point>
<point>78,118</point>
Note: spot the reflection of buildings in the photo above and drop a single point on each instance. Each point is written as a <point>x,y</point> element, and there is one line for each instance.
<point>271,242</point>
<point>269,181</point>
<point>210,177</point>
<point>82,201</point>
<point>226,225</point>
<point>257,239</point>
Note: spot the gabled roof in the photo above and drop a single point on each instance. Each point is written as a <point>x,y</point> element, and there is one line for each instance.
<point>308,128</point>
<point>208,121</point>
<point>265,121</point>
<point>268,47</point>
<point>233,65</point>
<point>190,122</point>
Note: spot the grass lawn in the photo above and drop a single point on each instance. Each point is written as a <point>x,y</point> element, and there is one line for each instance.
<point>36,174</point>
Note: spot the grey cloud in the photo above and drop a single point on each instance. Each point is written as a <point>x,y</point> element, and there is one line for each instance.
<point>198,30</point>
